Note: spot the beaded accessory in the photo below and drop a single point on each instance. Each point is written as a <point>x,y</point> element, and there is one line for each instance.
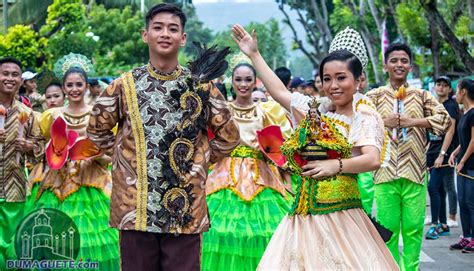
<point>350,40</point>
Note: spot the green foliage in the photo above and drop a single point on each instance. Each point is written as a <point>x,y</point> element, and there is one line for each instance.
<point>270,42</point>
<point>22,43</point>
<point>195,31</point>
<point>413,26</point>
<point>63,43</point>
<point>301,66</point>
<point>28,11</point>
<point>69,14</point>
<point>342,16</point>
<point>462,28</point>
<point>119,42</point>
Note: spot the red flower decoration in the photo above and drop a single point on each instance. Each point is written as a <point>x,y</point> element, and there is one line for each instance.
<point>270,140</point>
<point>64,144</point>
<point>83,149</point>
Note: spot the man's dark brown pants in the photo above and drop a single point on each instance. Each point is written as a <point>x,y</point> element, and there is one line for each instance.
<point>146,251</point>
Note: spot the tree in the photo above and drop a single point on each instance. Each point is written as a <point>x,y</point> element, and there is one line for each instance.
<point>459,47</point>
<point>119,46</point>
<point>350,13</point>
<point>196,32</point>
<point>69,14</point>
<point>270,42</point>
<point>314,17</point>
<point>23,43</point>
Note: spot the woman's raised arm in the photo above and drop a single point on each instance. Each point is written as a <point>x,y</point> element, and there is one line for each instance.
<point>249,46</point>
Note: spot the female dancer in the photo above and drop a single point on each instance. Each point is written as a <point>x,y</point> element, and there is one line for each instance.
<point>54,95</point>
<point>246,195</point>
<point>465,166</point>
<point>77,188</point>
<point>327,228</point>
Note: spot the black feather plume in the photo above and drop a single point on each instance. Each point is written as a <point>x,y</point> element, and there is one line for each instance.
<point>210,63</point>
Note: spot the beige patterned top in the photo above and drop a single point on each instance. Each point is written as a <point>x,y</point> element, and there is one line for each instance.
<point>13,182</point>
<point>408,158</point>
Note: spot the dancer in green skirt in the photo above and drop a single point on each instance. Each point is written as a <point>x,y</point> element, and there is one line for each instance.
<point>76,187</point>
<point>246,195</point>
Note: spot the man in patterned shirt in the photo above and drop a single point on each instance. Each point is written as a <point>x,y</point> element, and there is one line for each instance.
<point>13,182</point>
<point>400,188</point>
<point>162,148</point>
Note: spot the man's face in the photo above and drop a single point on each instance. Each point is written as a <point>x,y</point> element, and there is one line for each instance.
<point>10,78</point>
<point>164,35</point>
<point>442,89</point>
<point>398,65</point>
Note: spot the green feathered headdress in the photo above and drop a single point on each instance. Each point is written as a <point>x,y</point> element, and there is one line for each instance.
<point>73,60</point>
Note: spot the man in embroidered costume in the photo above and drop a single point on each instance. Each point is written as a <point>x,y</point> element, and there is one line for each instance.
<point>14,149</point>
<point>161,151</point>
<point>400,189</point>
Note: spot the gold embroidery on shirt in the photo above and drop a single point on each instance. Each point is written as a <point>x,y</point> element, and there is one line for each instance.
<point>139,135</point>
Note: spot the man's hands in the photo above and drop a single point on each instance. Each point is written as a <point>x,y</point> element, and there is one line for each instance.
<point>21,145</point>
<point>396,120</point>
<point>391,121</point>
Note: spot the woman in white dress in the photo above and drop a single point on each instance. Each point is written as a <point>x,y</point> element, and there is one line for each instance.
<point>327,228</point>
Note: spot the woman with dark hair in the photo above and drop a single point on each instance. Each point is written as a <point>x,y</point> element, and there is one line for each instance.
<point>327,228</point>
<point>54,95</point>
<point>76,187</point>
<point>246,195</point>
<point>465,166</point>
<point>441,181</point>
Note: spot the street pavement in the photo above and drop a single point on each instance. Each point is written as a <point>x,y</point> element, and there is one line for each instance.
<point>436,254</point>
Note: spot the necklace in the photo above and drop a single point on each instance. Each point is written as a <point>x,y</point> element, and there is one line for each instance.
<point>242,105</point>
<point>168,77</point>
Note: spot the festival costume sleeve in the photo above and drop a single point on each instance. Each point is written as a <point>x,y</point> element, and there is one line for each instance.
<point>221,123</point>
<point>369,128</point>
<point>298,107</point>
<point>104,117</point>
<point>45,122</point>
<point>33,134</point>
<point>435,114</point>
<point>275,114</point>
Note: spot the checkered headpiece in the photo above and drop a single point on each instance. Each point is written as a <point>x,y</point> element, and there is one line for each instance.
<point>350,40</point>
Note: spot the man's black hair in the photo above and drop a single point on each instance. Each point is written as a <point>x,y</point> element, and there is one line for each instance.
<point>284,74</point>
<point>397,47</point>
<point>93,82</point>
<point>168,8</point>
<point>353,63</point>
<point>10,59</point>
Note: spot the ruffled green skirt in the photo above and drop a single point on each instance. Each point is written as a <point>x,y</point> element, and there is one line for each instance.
<point>240,230</point>
<point>89,209</point>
